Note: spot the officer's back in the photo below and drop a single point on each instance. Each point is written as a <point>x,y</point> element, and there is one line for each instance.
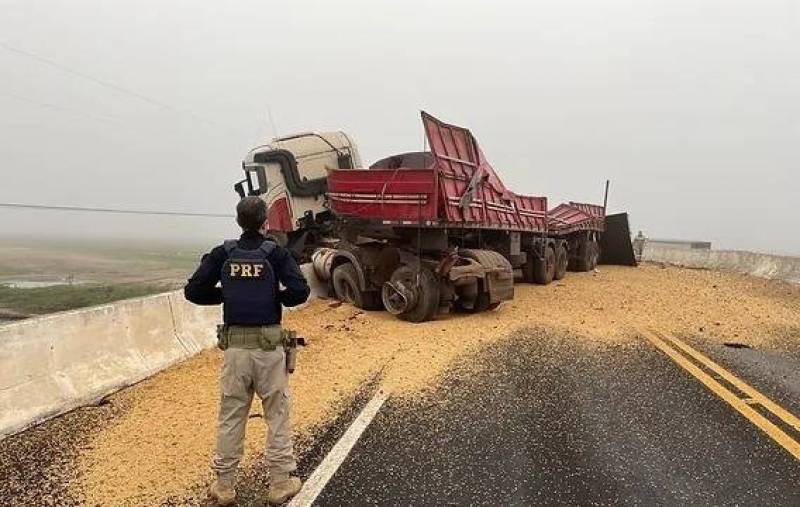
<point>250,272</point>
<point>246,305</point>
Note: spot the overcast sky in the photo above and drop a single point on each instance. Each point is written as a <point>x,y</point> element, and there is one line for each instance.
<point>690,107</point>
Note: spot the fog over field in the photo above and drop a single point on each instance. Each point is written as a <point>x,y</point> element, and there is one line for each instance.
<point>690,107</point>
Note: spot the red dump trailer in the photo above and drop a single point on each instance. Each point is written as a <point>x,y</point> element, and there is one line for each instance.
<point>425,232</point>
<point>418,233</point>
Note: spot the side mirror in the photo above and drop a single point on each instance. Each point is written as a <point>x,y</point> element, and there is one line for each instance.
<point>256,179</point>
<point>239,188</point>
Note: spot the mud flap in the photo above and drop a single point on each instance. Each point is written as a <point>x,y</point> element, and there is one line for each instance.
<point>615,242</point>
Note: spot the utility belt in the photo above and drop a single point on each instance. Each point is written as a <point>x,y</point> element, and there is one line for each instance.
<point>261,337</point>
<point>250,337</point>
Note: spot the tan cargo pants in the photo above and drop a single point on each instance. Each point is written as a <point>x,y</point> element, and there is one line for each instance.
<point>244,372</point>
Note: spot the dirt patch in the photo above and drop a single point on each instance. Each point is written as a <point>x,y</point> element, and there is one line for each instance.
<point>161,447</point>
<point>38,465</point>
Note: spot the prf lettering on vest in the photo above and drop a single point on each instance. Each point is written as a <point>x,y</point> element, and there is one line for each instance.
<point>257,270</point>
<point>245,270</point>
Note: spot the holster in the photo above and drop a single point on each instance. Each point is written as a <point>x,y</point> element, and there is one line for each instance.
<point>290,346</point>
<point>290,343</point>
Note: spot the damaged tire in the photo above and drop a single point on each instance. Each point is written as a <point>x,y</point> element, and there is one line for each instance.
<point>346,289</point>
<point>412,294</point>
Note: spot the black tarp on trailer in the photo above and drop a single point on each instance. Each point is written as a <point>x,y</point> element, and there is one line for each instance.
<point>615,242</point>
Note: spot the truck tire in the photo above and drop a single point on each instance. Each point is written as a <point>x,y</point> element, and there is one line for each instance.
<point>481,303</point>
<point>584,258</point>
<point>492,260</point>
<point>545,269</point>
<point>346,288</point>
<point>529,268</point>
<point>594,254</point>
<point>561,263</point>
<point>426,292</point>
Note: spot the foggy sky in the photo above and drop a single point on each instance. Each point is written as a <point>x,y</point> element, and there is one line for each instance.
<point>690,107</point>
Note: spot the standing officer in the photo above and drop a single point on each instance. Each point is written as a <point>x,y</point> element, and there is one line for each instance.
<point>250,271</point>
<point>638,246</point>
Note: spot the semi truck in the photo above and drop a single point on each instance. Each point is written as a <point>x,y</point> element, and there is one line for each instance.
<point>419,233</point>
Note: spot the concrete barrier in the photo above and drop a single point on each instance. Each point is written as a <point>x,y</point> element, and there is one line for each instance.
<point>50,365</point>
<point>776,267</point>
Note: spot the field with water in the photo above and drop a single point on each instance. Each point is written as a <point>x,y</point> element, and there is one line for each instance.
<point>45,276</point>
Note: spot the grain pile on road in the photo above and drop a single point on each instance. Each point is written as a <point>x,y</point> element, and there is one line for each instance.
<point>159,446</point>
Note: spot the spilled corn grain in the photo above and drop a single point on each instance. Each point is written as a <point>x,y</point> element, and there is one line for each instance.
<point>160,447</point>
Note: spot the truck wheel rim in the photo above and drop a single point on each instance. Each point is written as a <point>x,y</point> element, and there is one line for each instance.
<point>397,297</point>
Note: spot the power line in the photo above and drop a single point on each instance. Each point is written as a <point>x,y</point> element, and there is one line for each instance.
<point>55,107</point>
<point>113,210</point>
<point>101,82</point>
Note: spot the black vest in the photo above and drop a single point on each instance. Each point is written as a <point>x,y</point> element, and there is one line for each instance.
<point>249,287</point>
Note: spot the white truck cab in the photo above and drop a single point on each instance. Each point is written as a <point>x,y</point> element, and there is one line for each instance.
<point>290,173</point>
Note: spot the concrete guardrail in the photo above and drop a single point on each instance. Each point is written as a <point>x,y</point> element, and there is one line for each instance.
<point>52,364</point>
<point>776,267</point>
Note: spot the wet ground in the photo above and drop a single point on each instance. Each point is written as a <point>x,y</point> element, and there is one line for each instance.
<point>548,421</point>
<point>537,419</point>
<point>38,465</point>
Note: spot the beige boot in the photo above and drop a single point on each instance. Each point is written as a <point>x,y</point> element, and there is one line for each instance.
<point>222,491</point>
<point>282,488</point>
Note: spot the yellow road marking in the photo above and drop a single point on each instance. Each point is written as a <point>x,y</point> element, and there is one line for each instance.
<point>756,396</point>
<point>743,408</point>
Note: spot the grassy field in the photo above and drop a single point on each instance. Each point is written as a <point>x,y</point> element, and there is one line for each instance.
<point>40,300</point>
<point>103,272</point>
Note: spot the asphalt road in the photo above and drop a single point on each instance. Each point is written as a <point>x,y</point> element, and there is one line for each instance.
<point>541,419</point>
<point>552,420</point>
